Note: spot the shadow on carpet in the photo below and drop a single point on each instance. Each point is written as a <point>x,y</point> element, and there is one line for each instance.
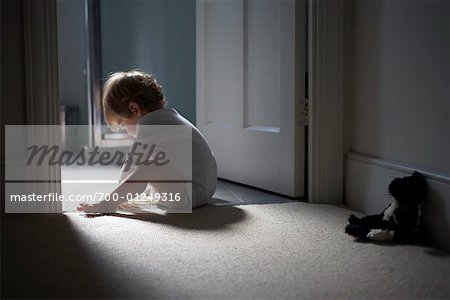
<point>203,218</point>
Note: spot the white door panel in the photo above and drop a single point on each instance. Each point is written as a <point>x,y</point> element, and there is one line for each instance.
<point>250,78</point>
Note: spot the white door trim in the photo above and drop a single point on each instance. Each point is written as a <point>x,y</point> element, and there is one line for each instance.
<point>326,130</point>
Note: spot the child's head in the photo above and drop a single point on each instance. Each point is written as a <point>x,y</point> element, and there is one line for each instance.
<point>129,95</point>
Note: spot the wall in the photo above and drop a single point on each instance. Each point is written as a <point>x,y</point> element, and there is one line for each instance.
<point>13,85</point>
<point>154,36</point>
<point>397,103</point>
<point>13,98</point>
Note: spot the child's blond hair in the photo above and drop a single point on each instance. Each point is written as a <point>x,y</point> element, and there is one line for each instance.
<point>121,88</point>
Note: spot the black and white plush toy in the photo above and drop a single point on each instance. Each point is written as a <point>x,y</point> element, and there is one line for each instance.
<point>400,220</point>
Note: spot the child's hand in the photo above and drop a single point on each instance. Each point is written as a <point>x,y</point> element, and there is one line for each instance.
<point>101,207</point>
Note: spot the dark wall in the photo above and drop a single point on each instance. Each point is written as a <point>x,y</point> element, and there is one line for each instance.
<point>13,96</point>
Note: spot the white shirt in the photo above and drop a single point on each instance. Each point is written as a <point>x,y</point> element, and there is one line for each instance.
<point>204,167</point>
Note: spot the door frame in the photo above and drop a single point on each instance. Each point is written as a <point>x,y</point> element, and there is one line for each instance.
<point>326,101</point>
<point>35,35</point>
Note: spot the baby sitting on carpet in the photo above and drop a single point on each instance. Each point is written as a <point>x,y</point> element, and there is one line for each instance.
<point>134,101</point>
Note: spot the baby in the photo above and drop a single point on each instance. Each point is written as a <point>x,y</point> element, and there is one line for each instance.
<point>131,101</point>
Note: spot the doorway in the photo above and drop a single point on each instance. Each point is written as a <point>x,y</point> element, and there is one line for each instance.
<point>265,147</point>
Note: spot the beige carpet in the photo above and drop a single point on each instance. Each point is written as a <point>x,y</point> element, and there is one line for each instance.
<point>274,251</point>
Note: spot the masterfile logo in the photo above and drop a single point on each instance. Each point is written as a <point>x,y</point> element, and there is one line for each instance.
<point>145,155</point>
<point>158,162</point>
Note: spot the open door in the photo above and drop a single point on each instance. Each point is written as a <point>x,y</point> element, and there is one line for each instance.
<point>251,90</point>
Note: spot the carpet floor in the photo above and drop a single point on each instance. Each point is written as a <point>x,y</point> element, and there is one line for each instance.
<point>268,251</point>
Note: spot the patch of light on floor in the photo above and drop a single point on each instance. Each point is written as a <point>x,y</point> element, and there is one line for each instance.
<point>79,184</point>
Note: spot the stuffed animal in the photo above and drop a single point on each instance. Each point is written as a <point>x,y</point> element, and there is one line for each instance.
<point>400,220</point>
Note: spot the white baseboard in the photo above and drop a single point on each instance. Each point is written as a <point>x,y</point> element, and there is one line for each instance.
<point>366,182</point>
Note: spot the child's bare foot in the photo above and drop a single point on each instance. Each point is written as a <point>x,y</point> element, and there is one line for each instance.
<point>101,207</point>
